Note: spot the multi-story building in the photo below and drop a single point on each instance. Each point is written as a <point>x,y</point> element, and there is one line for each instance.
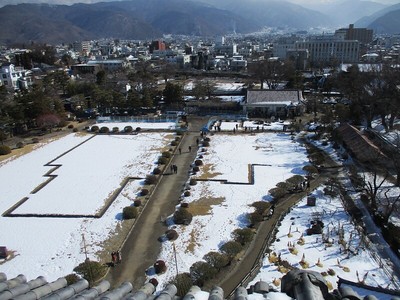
<point>327,48</point>
<point>15,78</point>
<point>82,47</point>
<point>228,50</point>
<point>283,44</point>
<point>363,35</point>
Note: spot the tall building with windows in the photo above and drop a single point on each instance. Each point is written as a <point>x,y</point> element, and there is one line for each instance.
<point>326,48</point>
<point>363,35</point>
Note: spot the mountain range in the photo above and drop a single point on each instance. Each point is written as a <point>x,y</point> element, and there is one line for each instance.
<point>145,19</point>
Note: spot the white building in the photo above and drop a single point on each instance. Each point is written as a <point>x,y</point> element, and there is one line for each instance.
<point>15,78</point>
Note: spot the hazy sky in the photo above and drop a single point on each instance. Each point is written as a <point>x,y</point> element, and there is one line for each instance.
<point>308,2</point>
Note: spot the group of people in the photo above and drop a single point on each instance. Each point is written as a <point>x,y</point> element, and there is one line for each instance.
<point>174,169</point>
<point>115,257</point>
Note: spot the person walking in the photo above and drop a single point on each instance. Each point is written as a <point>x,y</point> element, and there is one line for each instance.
<point>180,151</point>
<point>190,148</point>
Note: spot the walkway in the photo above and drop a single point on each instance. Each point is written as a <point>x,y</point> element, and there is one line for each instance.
<point>142,248</point>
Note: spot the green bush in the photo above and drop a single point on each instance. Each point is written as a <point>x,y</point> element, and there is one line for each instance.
<point>138,129</point>
<point>20,145</point>
<point>201,272</point>
<point>183,283</point>
<point>70,126</point>
<point>144,192</point>
<point>94,129</point>
<point>254,218</point>
<point>205,144</point>
<point>128,129</point>
<point>137,203</point>
<point>243,235</point>
<point>261,206</point>
<point>182,216</point>
<point>104,129</point>
<point>75,130</point>
<point>129,212</point>
<point>115,130</point>
<point>72,278</point>
<point>166,154</point>
<point>186,194</point>
<point>92,271</point>
<point>174,143</point>
<point>198,162</point>
<point>4,150</point>
<point>196,169</point>
<point>171,235</point>
<point>157,171</point>
<point>35,140</point>
<point>192,181</point>
<point>150,179</point>
<point>216,259</point>
<point>310,169</point>
<point>177,138</point>
<point>277,193</point>
<point>207,139</point>
<point>231,249</point>
<point>162,160</point>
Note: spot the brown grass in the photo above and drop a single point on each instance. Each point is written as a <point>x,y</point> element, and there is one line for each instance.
<point>202,206</point>
<point>208,172</point>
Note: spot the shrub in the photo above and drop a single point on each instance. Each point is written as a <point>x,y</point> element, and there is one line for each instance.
<point>184,204</point>
<point>157,171</point>
<point>183,283</point>
<point>201,271</point>
<point>4,150</point>
<point>206,144</point>
<point>182,216</point>
<point>277,193</point>
<point>128,129</point>
<point>254,218</point>
<point>295,180</point>
<point>72,278</point>
<point>144,192</point>
<point>310,169</point>
<point>70,126</point>
<point>129,212</point>
<point>160,267</point>
<point>166,154</point>
<point>186,194</point>
<point>179,133</point>
<point>177,138</point>
<point>231,249</point>
<point>104,129</point>
<point>92,271</point>
<point>115,129</point>
<point>75,130</point>
<point>137,203</point>
<point>162,160</point>
<point>94,129</point>
<point>196,169</point>
<point>198,162</point>
<point>200,156</point>
<point>216,259</point>
<point>20,145</point>
<point>35,140</point>
<point>138,129</point>
<point>261,206</point>
<point>243,235</point>
<point>192,181</point>
<point>174,143</point>
<point>150,179</point>
<point>207,139</point>
<point>171,235</point>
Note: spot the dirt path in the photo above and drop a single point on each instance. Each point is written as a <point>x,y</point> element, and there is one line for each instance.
<point>141,248</point>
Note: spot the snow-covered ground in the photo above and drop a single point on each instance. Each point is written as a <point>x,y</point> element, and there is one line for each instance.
<point>323,255</point>
<point>221,208</point>
<point>88,175</point>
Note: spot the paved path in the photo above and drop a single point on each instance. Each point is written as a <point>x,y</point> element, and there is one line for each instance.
<point>141,249</point>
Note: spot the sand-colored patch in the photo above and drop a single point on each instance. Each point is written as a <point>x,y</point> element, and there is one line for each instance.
<point>192,242</point>
<point>203,206</point>
<point>208,172</point>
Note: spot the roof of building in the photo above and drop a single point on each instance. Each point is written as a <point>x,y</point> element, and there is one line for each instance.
<point>285,97</point>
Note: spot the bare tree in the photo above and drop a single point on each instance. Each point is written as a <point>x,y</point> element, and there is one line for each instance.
<point>389,205</point>
<point>372,186</point>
